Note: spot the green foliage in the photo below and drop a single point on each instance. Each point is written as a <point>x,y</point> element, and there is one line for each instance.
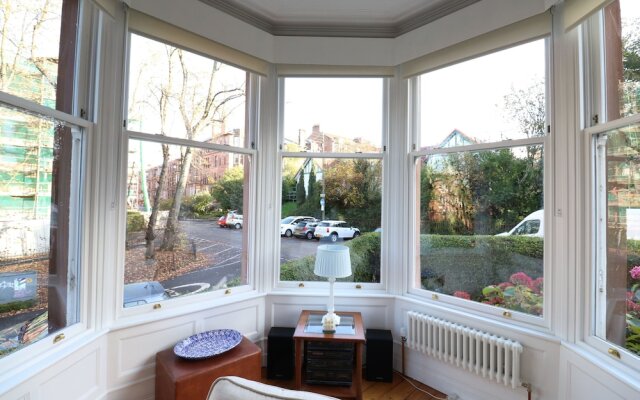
<point>353,192</point>
<point>521,293</point>
<point>300,191</point>
<point>288,185</point>
<point>629,88</point>
<point>631,55</point>
<point>365,262</point>
<point>288,208</point>
<point>135,222</point>
<point>490,191</point>
<point>311,206</point>
<point>16,305</point>
<point>165,204</point>
<point>632,340</point>
<point>234,282</point>
<point>198,206</point>
<point>312,183</point>
<point>450,263</point>
<point>229,190</point>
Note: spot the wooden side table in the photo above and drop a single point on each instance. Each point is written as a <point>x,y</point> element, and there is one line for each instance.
<point>302,335</point>
<point>180,379</point>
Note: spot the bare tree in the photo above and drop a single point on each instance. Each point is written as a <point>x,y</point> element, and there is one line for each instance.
<point>197,111</point>
<point>161,96</point>
<point>21,27</point>
<point>528,108</point>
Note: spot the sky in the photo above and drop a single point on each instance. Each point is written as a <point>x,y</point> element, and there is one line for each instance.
<point>469,96</point>
<point>349,107</point>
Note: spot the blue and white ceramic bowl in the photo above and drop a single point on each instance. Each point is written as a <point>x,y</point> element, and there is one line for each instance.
<point>207,344</point>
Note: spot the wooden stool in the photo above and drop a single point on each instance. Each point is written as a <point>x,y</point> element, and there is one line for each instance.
<point>181,379</point>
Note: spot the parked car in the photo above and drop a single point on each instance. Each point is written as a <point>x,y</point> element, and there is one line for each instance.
<point>305,229</point>
<point>234,220</point>
<point>222,221</point>
<point>136,294</point>
<point>335,230</point>
<point>288,224</point>
<point>531,225</point>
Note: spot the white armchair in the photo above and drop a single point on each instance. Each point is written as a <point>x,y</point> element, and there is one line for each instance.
<point>236,388</point>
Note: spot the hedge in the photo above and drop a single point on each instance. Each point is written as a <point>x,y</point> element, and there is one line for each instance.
<point>135,222</point>
<point>448,262</point>
<point>365,262</point>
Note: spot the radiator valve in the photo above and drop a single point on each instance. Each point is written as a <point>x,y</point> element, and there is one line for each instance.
<point>529,389</point>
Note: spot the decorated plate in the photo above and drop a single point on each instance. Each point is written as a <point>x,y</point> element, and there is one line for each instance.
<point>207,344</point>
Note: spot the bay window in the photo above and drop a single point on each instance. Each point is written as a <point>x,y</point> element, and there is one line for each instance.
<point>188,174</point>
<point>479,180</point>
<point>615,131</point>
<point>42,168</point>
<point>332,163</point>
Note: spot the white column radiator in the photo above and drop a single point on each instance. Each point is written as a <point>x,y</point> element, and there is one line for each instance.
<point>493,357</point>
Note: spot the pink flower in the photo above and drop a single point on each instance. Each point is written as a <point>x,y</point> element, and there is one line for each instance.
<point>635,272</point>
<point>536,285</point>
<point>632,306</point>
<point>462,294</point>
<point>520,278</point>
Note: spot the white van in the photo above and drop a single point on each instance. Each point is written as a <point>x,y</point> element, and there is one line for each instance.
<point>531,225</point>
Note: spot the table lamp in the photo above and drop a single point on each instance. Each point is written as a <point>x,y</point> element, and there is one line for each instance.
<point>332,261</point>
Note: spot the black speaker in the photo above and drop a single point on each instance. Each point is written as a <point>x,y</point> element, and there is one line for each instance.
<point>280,353</point>
<point>379,355</point>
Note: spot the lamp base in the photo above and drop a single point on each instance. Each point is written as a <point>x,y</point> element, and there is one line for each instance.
<point>329,322</point>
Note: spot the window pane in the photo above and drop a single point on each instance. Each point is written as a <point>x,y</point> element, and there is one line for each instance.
<point>176,93</point>
<point>333,115</point>
<point>38,284</point>
<point>622,49</point>
<point>31,56</point>
<point>621,269</point>
<point>496,97</point>
<point>482,226</point>
<point>330,201</point>
<point>194,200</point>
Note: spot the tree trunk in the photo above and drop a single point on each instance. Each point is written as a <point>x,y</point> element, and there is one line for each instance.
<point>150,235</point>
<point>171,230</point>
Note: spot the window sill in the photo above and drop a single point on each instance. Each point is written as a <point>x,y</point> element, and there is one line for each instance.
<point>176,308</point>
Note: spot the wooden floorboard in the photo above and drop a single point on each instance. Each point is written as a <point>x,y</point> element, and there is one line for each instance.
<point>398,389</point>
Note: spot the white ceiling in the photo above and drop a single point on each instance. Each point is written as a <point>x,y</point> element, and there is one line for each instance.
<point>351,18</point>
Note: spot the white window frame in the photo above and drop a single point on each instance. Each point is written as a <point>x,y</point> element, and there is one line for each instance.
<point>382,156</point>
<point>79,306</point>
<point>594,104</point>
<point>500,314</point>
<point>202,300</point>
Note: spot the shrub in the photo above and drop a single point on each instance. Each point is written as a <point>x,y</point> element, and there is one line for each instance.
<point>165,204</point>
<point>451,263</point>
<point>365,262</point>
<point>520,293</point>
<point>448,263</point>
<point>198,206</point>
<point>135,222</point>
<point>16,305</point>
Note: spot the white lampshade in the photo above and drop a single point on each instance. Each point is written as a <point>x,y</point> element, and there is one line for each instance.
<point>332,261</point>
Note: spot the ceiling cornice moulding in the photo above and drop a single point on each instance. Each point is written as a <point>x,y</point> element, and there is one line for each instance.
<point>356,29</point>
